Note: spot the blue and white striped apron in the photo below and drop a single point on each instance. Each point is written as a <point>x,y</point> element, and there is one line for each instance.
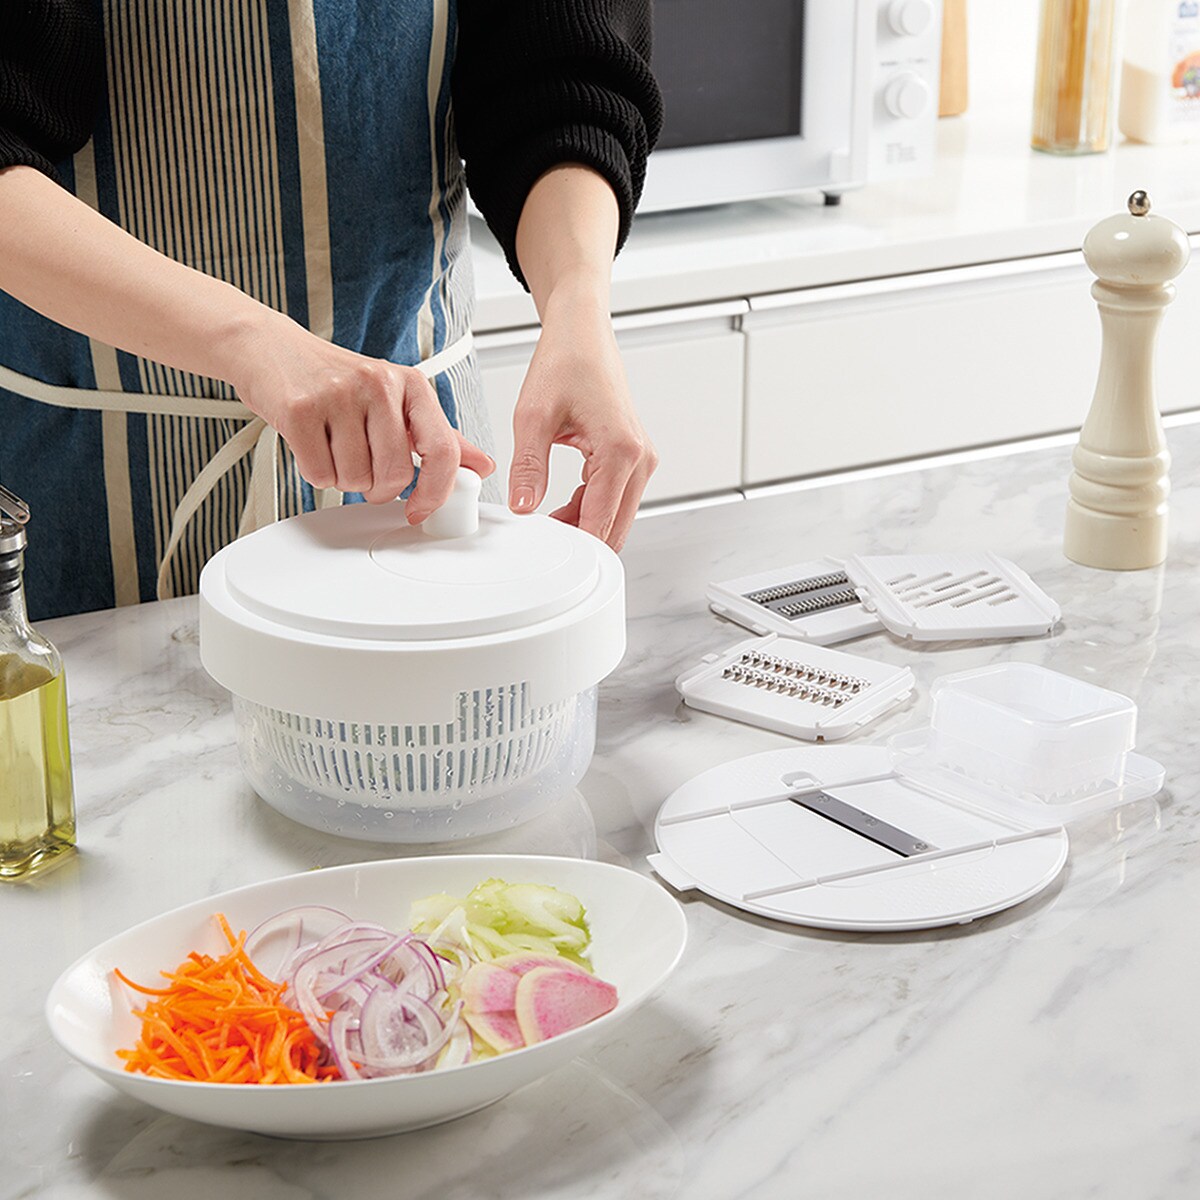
<point>302,150</point>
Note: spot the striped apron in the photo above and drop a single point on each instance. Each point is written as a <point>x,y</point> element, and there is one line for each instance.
<point>302,150</point>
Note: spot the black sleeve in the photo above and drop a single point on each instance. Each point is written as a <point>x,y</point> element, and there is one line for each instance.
<point>51,76</point>
<point>542,82</point>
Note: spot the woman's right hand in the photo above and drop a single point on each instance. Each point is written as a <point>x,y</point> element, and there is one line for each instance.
<point>352,422</point>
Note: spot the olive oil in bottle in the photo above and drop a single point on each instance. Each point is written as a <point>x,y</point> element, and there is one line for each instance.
<point>37,802</point>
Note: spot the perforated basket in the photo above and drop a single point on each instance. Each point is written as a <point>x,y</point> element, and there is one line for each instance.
<point>496,741</point>
<point>499,762</point>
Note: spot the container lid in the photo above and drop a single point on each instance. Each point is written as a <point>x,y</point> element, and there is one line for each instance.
<point>361,571</point>
<point>350,613</point>
<point>14,516</point>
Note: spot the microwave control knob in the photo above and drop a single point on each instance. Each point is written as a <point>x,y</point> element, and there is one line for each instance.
<point>906,95</point>
<point>909,17</point>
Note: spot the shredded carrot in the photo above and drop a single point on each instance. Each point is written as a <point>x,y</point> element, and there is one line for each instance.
<point>221,1020</point>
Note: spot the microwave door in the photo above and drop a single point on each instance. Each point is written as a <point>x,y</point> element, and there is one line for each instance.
<point>757,107</point>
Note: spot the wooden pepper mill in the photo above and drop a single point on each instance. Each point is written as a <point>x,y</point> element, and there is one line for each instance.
<point>1117,513</point>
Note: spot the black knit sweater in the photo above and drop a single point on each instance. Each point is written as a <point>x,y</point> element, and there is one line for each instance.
<point>536,83</point>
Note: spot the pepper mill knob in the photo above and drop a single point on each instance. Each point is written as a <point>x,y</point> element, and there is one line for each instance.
<point>1117,513</point>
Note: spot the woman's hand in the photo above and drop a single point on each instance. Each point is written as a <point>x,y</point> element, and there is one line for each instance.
<point>575,394</point>
<point>352,422</point>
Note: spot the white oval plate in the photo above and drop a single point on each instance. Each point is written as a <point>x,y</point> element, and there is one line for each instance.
<point>638,936</point>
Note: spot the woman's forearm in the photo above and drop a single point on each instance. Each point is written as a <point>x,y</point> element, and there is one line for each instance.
<point>76,267</point>
<point>351,421</point>
<point>566,238</point>
<point>575,392</point>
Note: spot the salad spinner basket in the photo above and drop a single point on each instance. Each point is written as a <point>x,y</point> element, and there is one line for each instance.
<point>406,684</point>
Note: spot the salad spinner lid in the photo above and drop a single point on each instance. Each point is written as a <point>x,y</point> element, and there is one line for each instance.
<point>360,571</point>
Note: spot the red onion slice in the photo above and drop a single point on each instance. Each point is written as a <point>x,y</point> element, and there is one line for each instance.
<point>338,1044</point>
<point>400,1036</point>
<point>374,998</point>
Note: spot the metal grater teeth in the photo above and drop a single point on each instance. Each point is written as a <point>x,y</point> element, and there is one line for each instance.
<point>812,604</point>
<point>802,597</point>
<point>798,680</point>
<point>798,587</point>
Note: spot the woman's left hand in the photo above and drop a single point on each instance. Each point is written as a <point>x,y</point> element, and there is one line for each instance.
<point>575,394</point>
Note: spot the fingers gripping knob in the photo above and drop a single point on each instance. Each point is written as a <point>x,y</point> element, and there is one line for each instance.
<point>459,516</point>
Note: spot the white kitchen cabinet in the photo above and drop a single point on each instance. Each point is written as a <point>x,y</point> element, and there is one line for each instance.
<point>845,376</point>
<point>685,370</point>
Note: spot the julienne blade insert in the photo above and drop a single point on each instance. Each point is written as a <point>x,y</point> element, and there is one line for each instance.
<point>814,601</point>
<point>802,597</point>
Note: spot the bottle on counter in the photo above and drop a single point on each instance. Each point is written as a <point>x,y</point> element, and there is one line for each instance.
<point>37,798</point>
<point>1160,74</point>
<point>1072,102</point>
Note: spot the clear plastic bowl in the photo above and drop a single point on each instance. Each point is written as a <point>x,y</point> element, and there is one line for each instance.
<point>500,762</point>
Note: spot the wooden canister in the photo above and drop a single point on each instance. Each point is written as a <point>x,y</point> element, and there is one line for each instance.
<point>953,94</point>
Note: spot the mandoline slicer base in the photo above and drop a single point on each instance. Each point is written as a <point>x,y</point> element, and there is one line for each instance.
<point>882,856</point>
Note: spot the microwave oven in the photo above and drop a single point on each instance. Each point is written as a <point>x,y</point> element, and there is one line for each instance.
<point>769,97</point>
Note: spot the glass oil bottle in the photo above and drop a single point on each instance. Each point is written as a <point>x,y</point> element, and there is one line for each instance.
<point>37,800</point>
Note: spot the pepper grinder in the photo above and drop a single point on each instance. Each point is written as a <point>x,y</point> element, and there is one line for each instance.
<point>1117,513</point>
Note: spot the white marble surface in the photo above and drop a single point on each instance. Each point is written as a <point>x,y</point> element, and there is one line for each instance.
<point>1050,1051</point>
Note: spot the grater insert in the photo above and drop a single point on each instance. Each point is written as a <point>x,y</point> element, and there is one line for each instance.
<point>787,686</point>
<point>813,601</point>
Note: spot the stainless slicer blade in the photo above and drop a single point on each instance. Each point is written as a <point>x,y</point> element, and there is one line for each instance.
<point>863,823</point>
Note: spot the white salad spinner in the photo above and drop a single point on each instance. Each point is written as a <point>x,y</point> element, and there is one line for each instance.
<point>411,684</point>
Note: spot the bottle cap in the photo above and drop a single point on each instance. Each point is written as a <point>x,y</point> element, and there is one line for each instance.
<point>14,514</point>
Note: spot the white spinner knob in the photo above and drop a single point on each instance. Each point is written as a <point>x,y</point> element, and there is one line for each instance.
<point>906,95</point>
<point>910,17</point>
<point>459,516</point>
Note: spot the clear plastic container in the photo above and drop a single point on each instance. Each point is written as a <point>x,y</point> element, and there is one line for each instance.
<point>499,763</point>
<point>1160,73</point>
<point>1020,740</point>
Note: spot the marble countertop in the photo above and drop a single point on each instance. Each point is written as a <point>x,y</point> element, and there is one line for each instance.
<point>989,198</point>
<point>1049,1051</point>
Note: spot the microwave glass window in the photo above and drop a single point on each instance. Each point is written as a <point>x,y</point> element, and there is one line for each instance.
<point>729,71</point>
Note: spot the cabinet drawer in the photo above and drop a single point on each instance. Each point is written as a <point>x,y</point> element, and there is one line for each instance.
<point>686,382</point>
<point>869,373</point>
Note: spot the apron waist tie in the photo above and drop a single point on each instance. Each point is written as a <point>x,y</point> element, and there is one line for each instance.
<point>255,437</point>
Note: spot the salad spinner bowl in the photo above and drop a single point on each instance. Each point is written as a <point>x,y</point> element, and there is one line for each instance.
<point>638,936</point>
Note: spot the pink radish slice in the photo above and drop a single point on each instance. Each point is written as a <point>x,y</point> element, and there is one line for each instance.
<point>487,988</point>
<point>553,1000</point>
<point>524,961</point>
<point>499,1029</point>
